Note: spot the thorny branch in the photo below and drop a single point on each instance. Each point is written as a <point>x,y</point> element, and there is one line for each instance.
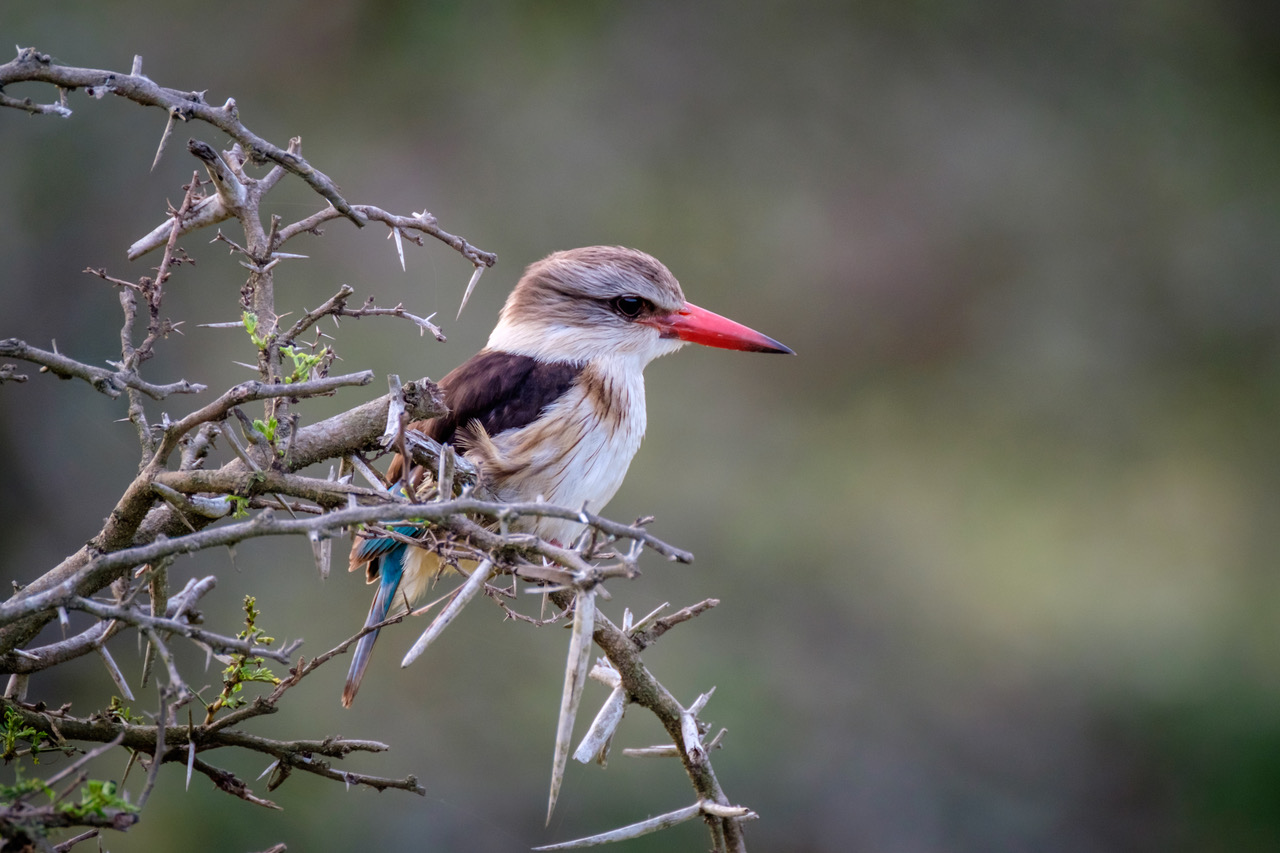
<point>33,66</point>
<point>170,742</point>
<point>267,523</point>
<point>336,307</point>
<point>164,512</point>
<point>109,382</point>
<point>422,223</point>
<point>142,516</point>
<point>301,754</point>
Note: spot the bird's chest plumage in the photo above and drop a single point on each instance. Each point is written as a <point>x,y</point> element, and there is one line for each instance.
<point>575,453</point>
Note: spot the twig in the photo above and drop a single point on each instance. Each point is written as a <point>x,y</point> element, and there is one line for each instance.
<point>153,772</point>
<point>645,637</point>
<point>254,390</point>
<point>170,746</point>
<point>109,382</point>
<point>31,65</point>
<point>424,324</point>
<point>9,373</point>
<point>334,304</point>
<point>139,619</point>
<point>423,223</point>
<point>64,846</point>
<point>35,660</point>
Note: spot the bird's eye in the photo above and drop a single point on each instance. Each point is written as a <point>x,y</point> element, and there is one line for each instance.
<point>630,306</point>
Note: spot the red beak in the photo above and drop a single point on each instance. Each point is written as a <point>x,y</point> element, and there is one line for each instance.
<point>700,326</point>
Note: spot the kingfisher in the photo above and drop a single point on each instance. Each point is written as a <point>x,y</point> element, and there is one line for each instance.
<point>553,406</point>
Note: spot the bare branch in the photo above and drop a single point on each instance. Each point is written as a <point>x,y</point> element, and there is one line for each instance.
<point>31,65</point>
<point>328,493</point>
<point>333,305</point>
<point>424,324</point>
<point>248,391</point>
<point>29,106</point>
<point>305,755</point>
<point>74,840</point>
<point>624,653</point>
<point>109,382</point>
<point>218,642</point>
<point>645,638</point>
<point>9,373</point>
<point>35,660</point>
<point>423,223</point>
<point>355,429</point>
<point>224,780</point>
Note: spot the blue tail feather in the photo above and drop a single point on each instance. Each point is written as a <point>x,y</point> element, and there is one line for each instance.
<point>391,557</point>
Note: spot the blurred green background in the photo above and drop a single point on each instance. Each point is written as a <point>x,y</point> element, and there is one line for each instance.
<point>996,552</point>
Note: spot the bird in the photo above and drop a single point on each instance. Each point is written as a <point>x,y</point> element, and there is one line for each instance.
<point>553,406</point>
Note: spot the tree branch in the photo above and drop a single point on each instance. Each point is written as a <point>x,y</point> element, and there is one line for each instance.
<point>624,653</point>
<point>267,523</point>
<point>33,66</point>
<point>109,382</point>
<point>300,754</point>
<point>354,430</point>
<point>423,223</point>
<point>163,512</point>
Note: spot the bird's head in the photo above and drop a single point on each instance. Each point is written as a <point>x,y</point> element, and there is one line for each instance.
<point>609,302</point>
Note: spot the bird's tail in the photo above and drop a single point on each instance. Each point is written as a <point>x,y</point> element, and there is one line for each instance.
<point>389,583</point>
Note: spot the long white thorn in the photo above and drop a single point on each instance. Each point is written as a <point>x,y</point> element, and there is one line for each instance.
<point>689,729</point>
<point>575,676</point>
<point>116,675</point>
<point>471,285</point>
<point>595,741</point>
<point>466,592</point>
<point>395,232</point>
<point>653,824</point>
<point>635,830</point>
<point>322,550</point>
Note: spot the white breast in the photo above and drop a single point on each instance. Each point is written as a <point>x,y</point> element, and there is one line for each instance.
<point>577,453</point>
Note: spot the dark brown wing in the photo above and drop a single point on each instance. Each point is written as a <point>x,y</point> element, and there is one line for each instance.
<point>500,390</point>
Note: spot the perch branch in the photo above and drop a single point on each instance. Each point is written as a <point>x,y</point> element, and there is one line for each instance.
<point>356,429</point>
